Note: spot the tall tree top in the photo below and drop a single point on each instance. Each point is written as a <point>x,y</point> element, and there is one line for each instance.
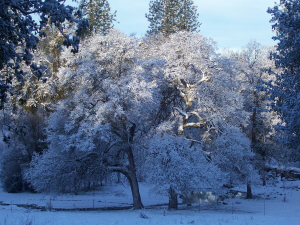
<point>171,16</point>
<point>99,14</point>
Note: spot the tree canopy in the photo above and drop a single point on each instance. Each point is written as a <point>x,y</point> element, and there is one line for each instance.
<point>285,92</point>
<point>19,35</point>
<point>167,109</point>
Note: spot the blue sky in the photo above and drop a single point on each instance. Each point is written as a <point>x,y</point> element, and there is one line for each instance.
<point>231,23</point>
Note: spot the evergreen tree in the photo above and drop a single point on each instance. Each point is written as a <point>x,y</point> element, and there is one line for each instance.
<point>49,49</point>
<point>19,36</point>
<point>99,15</point>
<point>188,16</point>
<point>286,90</point>
<point>155,16</point>
<point>171,16</point>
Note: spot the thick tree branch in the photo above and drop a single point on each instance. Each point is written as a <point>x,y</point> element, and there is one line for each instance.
<point>184,114</point>
<point>189,102</point>
<point>118,169</point>
<point>198,118</point>
<point>204,79</point>
<point>110,147</point>
<point>193,125</point>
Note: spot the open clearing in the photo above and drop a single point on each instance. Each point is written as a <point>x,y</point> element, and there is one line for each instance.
<point>272,205</point>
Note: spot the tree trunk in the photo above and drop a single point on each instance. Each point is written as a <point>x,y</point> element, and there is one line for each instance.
<point>134,185</point>
<point>118,178</point>
<point>130,170</point>
<point>249,192</point>
<point>173,201</point>
<point>264,173</point>
<point>253,139</point>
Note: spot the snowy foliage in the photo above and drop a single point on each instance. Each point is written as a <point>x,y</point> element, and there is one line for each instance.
<point>208,108</point>
<point>232,153</point>
<point>19,35</point>
<point>208,91</point>
<point>285,91</point>
<point>168,109</point>
<point>251,64</point>
<point>110,100</point>
<point>181,165</point>
<point>23,136</point>
<point>65,172</point>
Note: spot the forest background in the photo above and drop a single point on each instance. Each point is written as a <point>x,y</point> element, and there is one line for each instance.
<point>167,108</point>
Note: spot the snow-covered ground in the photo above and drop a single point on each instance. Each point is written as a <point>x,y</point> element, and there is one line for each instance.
<point>272,205</point>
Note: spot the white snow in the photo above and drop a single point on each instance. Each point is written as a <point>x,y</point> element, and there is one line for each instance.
<point>273,205</point>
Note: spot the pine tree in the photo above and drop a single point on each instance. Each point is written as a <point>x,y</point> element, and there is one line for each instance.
<point>155,16</point>
<point>188,16</point>
<point>286,90</point>
<point>170,19</point>
<point>99,14</point>
<point>171,16</point>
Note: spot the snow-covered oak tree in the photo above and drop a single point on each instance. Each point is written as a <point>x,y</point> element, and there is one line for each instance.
<point>123,92</point>
<point>210,109</point>
<point>207,90</point>
<point>179,167</point>
<point>110,104</point>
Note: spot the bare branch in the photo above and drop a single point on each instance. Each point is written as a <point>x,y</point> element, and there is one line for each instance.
<point>180,128</point>
<point>184,96</point>
<point>119,169</point>
<point>197,116</point>
<point>189,99</point>
<point>186,116</point>
<point>47,60</point>
<point>204,79</point>
<point>112,145</point>
<point>193,125</point>
<point>189,102</point>
<point>192,140</point>
<point>185,85</point>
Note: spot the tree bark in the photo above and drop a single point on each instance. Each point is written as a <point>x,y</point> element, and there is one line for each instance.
<point>129,170</point>
<point>253,139</point>
<point>173,201</point>
<point>249,192</point>
<point>264,173</point>
<point>134,185</point>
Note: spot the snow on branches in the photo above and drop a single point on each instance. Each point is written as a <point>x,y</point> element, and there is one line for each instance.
<point>124,102</point>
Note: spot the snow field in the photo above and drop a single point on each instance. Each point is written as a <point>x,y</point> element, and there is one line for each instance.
<point>126,217</point>
<point>272,206</point>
